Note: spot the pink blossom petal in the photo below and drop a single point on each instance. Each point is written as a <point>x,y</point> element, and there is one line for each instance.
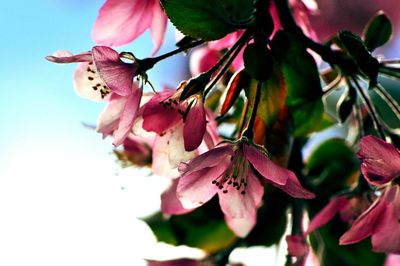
<point>67,57</point>
<point>210,158</point>
<point>386,234</point>
<point>128,116</point>
<point>117,75</point>
<point>160,164</point>
<point>195,126</point>
<point>121,21</point>
<point>109,117</point>
<point>380,161</point>
<point>265,166</point>
<point>294,188</point>
<point>88,84</point>
<point>363,226</point>
<point>202,60</point>
<point>211,136</point>
<point>169,152</point>
<point>225,42</point>
<point>241,209</point>
<point>158,118</point>
<point>158,26</point>
<point>328,212</point>
<point>196,188</point>
<point>170,204</point>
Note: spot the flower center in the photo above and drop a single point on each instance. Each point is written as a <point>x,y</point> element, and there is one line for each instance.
<point>235,176</point>
<point>95,81</point>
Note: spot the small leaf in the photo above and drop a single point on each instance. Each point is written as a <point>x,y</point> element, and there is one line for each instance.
<point>378,31</point>
<point>258,61</point>
<point>238,81</point>
<point>345,103</point>
<point>356,48</point>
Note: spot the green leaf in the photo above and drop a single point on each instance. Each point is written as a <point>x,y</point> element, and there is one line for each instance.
<point>307,117</point>
<point>204,228</point>
<point>162,229</point>
<point>258,61</point>
<point>353,44</point>
<point>331,167</point>
<point>273,96</point>
<point>378,31</point>
<point>207,19</point>
<point>303,85</point>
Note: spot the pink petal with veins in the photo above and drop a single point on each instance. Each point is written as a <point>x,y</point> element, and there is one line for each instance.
<point>157,117</point>
<point>117,74</point>
<point>128,116</point>
<point>265,166</point>
<point>380,161</point>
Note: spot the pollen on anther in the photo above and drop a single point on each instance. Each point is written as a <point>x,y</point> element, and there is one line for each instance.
<point>90,78</point>
<point>225,191</point>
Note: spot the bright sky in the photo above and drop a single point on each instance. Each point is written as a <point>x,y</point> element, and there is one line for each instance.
<point>61,202</point>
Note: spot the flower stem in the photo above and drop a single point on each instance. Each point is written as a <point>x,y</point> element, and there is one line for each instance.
<point>370,107</point>
<point>227,60</point>
<point>148,63</point>
<point>249,132</point>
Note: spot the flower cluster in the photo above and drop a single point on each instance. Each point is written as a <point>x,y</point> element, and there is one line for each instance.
<point>231,138</point>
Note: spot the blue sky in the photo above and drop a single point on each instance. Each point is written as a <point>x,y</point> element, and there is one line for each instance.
<point>61,201</point>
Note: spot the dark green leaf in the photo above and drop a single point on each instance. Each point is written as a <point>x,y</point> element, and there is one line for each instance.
<point>303,85</point>
<point>378,31</point>
<point>162,229</point>
<point>258,61</point>
<point>204,228</point>
<point>356,48</point>
<point>271,220</point>
<point>330,167</point>
<point>207,19</point>
<point>273,97</point>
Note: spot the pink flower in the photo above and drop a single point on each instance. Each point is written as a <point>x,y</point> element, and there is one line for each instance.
<point>235,172</point>
<point>348,209</point>
<point>122,21</point>
<point>164,112</point>
<point>380,161</point>
<point>380,221</point>
<point>136,151</point>
<point>102,75</point>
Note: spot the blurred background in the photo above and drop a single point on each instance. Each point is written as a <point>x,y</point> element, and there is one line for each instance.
<point>63,198</point>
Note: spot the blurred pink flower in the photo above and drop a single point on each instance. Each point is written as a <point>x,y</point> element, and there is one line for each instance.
<point>102,75</point>
<point>122,21</point>
<point>380,221</point>
<point>235,172</point>
<point>380,161</point>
